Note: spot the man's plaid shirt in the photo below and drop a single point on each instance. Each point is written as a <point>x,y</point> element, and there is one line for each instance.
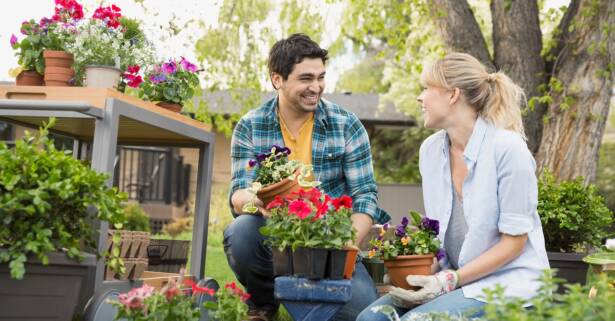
<point>341,156</point>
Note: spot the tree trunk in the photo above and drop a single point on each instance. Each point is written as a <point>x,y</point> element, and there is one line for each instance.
<point>517,42</point>
<point>459,29</point>
<point>577,116</point>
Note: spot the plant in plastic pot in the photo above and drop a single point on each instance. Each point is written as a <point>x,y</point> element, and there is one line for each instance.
<point>308,225</point>
<point>276,175</point>
<point>409,248</point>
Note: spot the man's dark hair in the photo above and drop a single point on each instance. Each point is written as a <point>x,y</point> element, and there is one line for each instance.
<point>286,53</point>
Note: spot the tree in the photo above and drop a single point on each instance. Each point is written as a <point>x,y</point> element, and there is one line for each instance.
<point>567,75</point>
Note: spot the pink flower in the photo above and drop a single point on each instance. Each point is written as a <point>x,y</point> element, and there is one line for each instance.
<point>133,69</point>
<point>171,290</point>
<point>13,41</point>
<point>299,208</point>
<point>133,80</point>
<point>66,10</point>
<point>134,298</point>
<point>169,67</point>
<point>187,65</point>
<point>110,15</point>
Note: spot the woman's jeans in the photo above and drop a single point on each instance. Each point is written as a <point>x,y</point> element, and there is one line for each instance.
<point>251,260</point>
<point>453,303</point>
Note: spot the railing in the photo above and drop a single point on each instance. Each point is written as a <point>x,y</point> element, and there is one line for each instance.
<point>149,174</point>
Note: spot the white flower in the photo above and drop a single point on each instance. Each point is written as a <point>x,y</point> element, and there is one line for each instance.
<point>610,244</point>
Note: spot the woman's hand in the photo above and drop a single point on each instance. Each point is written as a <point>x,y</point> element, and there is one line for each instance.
<point>431,287</point>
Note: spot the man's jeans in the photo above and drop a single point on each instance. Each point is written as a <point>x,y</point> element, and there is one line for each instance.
<point>251,261</point>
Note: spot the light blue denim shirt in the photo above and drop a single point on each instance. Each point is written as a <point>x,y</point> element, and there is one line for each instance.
<point>500,195</point>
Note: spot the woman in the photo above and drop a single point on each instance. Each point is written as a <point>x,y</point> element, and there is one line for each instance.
<point>479,182</point>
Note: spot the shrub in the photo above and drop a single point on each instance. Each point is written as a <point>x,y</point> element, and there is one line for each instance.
<point>573,215</point>
<point>136,218</point>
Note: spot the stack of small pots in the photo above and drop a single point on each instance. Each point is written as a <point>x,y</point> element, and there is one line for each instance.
<point>133,250</point>
<point>58,71</point>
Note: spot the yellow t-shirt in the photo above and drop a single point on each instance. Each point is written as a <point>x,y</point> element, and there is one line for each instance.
<point>300,146</point>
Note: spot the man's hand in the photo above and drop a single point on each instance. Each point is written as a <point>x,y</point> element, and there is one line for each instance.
<point>431,287</point>
<point>242,197</point>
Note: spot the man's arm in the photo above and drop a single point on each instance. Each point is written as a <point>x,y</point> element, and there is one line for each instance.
<point>242,150</point>
<point>362,223</point>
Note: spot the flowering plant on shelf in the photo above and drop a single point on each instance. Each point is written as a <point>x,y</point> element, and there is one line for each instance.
<point>415,236</point>
<point>274,167</point>
<point>174,81</point>
<point>309,218</point>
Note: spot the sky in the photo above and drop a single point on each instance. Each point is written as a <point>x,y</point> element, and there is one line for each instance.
<point>154,20</point>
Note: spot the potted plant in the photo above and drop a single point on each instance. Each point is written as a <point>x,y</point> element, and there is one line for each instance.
<point>103,48</point>
<point>277,175</point>
<point>48,203</point>
<point>59,34</point>
<point>308,226</point>
<point>574,219</point>
<point>409,248</point>
<point>170,84</point>
<point>29,51</point>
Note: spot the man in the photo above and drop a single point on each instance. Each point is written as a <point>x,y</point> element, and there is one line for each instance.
<point>319,133</point>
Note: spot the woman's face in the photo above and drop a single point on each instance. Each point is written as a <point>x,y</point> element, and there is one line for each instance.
<point>436,106</point>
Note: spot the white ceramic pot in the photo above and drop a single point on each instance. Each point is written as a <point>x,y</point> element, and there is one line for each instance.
<point>101,76</point>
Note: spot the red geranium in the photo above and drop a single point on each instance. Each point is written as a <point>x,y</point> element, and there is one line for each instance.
<point>111,15</point>
<point>66,10</point>
<point>198,289</point>
<point>343,201</point>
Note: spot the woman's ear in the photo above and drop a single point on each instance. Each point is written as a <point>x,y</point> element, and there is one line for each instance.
<point>455,93</point>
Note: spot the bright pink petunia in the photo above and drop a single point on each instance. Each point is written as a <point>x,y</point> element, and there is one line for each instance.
<point>343,201</point>
<point>299,208</point>
<point>323,207</point>
<point>169,67</point>
<point>13,40</point>
<point>187,65</point>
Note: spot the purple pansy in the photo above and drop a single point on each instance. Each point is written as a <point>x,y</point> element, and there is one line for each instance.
<point>429,224</point>
<point>157,78</point>
<point>187,65</point>
<point>441,254</point>
<point>261,157</point>
<point>404,221</point>
<point>385,226</point>
<point>252,163</point>
<point>13,40</point>
<point>400,230</point>
<point>169,67</point>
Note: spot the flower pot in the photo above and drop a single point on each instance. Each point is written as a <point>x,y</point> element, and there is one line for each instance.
<point>570,267</point>
<point>281,188</point>
<point>58,76</point>
<point>57,68</point>
<point>336,264</point>
<point>101,76</point>
<point>351,260</point>
<point>57,291</point>
<point>167,255</point>
<point>57,58</point>
<point>375,269</point>
<point>405,265</point>
<point>309,263</point>
<point>282,262</point>
<point>29,78</point>
<point>174,107</point>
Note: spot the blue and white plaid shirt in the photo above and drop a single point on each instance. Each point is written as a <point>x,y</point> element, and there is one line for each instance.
<point>341,156</point>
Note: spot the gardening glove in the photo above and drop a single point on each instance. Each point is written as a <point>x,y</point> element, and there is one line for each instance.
<point>431,287</point>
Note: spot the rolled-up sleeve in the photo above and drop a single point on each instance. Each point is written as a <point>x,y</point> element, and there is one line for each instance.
<point>517,188</point>
<point>359,173</point>
<point>241,152</point>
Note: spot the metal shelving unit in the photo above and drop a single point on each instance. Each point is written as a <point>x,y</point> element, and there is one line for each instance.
<point>106,118</point>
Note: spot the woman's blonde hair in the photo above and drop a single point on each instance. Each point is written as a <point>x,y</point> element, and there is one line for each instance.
<point>495,97</point>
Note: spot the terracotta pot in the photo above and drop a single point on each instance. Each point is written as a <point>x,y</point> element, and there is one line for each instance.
<point>174,107</point>
<point>102,76</point>
<point>351,259</point>
<point>282,188</point>
<point>29,78</point>
<point>56,58</point>
<point>58,76</point>
<point>405,265</point>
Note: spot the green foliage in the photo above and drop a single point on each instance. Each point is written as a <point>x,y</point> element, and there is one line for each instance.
<point>143,304</point>
<point>416,238</point>
<point>170,82</point>
<point>364,77</point>
<point>48,201</point>
<point>605,178</point>
<point>573,215</point>
<point>230,304</point>
<point>30,49</point>
<point>136,218</point>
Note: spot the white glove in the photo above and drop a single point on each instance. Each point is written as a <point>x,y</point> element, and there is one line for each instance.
<point>431,287</point>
